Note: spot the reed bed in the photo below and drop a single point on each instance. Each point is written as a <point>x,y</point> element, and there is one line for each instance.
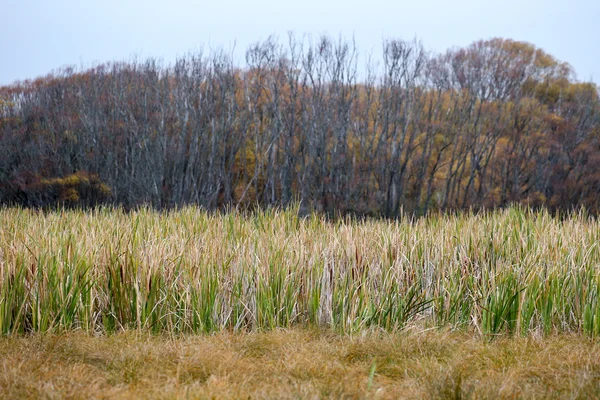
<point>509,272</point>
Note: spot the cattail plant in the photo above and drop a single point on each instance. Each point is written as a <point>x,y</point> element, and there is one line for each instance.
<point>509,272</point>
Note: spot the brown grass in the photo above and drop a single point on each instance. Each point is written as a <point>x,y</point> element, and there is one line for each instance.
<point>299,364</point>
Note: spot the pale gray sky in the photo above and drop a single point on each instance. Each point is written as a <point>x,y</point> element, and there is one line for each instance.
<point>37,36</point>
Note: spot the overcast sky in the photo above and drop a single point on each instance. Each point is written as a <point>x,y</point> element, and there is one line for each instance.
<point>37,36</point>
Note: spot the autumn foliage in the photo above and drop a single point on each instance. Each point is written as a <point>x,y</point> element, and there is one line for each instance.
<point>495,123</point>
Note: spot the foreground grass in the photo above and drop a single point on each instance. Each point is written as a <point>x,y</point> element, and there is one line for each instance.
<point>298,364</point>
<point>514,272</point>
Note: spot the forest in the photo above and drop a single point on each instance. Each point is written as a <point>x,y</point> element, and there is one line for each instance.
<point>306,121</point>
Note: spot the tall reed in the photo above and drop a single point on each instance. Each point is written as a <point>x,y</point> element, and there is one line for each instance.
<point>515,271</point>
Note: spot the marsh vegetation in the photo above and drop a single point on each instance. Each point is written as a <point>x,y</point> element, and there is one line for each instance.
<point>511,272</point>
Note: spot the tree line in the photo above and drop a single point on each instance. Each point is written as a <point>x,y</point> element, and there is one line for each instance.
<point>495,123</point>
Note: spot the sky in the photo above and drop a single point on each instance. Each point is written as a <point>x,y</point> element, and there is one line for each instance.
<point>39,36</point>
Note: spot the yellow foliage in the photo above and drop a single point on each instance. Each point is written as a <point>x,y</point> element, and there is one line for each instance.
<point>69,195</point>
<point>104,189</point>
<point>71,180</point>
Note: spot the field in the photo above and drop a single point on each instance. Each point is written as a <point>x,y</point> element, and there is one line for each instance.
<point>189,303</point>
<point>299,364</point>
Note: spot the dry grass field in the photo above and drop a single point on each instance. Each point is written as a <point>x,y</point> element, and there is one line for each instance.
<point>299,364</point>
<point>189,304</point>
